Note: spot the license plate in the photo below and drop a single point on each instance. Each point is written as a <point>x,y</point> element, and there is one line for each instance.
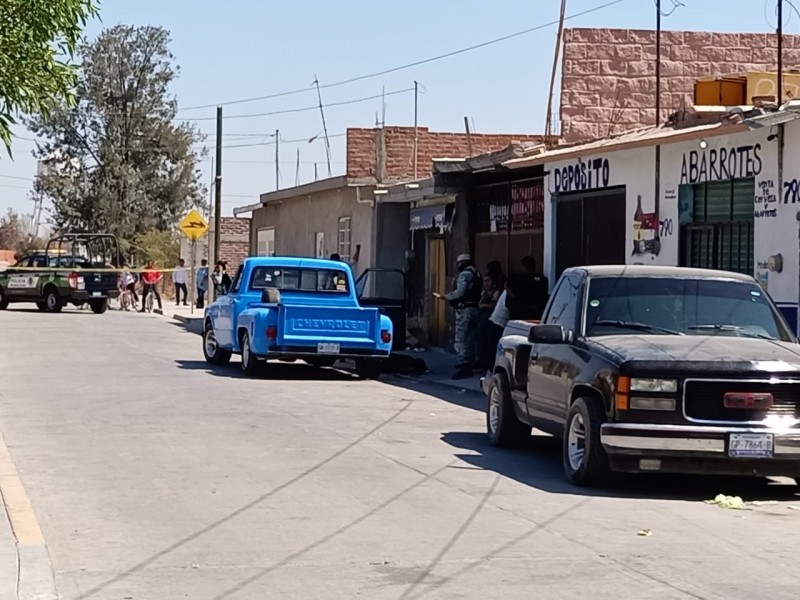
<point>327,348</point>
<point>750,445</point>
<point>96,294</point>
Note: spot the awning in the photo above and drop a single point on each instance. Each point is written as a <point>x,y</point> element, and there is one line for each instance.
<point>427,217</point>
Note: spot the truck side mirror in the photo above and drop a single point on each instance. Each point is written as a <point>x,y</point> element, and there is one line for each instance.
<point>547,334</point>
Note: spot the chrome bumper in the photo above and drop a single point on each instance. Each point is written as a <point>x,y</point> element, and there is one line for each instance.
<point>688,440</point>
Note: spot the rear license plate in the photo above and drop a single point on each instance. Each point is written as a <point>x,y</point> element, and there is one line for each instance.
<point>327,348</point>
<point>751,445</point>
<point>96,294</point>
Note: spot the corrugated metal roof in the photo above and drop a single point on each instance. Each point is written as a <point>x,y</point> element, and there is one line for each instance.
<point>638,138</point>
<point>772,119</point>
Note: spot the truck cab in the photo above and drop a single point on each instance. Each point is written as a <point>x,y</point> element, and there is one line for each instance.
<point>653,369</point>
<point>295,308</point>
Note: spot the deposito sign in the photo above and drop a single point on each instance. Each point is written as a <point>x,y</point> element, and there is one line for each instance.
<point>193,225</point>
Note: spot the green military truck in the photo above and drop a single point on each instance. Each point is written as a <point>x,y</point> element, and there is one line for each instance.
<point>74,268</point>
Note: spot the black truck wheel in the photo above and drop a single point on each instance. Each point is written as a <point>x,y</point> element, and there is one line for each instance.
<point>3,299</point>
<point>585,459</point>
<point>368,368</point>
<point>52,302</point>
<point>42,306</point>
<point>213,353</point>
<point>251,366</point>
<point>99,306</point>
<point>502,425</point>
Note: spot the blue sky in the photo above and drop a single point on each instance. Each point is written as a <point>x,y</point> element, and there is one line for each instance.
<point>249,48</point>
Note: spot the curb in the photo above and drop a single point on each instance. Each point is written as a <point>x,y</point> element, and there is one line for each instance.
<point>33,572</point>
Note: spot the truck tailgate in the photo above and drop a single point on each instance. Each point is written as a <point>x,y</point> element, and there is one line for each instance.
<point>308,325</point>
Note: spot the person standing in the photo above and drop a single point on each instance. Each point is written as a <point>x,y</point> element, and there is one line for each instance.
<point>528,292</point>
<point>465,300</point>
<point>352,263</point>
<point>202,283</point>
<point>486,306</point>
<point>150,278</point>
<point>179,279</point>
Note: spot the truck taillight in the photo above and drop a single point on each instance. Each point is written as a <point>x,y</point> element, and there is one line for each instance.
<point>272,332</point>
<point>73,280</point>
<point>386,337</point>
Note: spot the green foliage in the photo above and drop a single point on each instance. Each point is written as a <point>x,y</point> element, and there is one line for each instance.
<point>38,38</point>
<point>15,234</point>
<point>117,161</point>
<point>163,247</point>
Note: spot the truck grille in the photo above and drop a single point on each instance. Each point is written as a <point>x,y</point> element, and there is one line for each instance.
<point>703,400</point>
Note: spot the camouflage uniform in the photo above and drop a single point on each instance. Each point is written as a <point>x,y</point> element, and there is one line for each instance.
<point>465,301</point>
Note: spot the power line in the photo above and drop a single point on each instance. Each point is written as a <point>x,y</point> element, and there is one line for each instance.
<point>15,177</point>
<point>412,64</point>
<point>305,108</point>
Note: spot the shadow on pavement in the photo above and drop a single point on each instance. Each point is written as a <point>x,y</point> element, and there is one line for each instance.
<point>65,311</point>
<point>465,397</point>
<point>275,371</point>
<point>538,465</point>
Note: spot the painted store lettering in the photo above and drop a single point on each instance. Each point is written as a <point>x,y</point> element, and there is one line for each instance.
<point>721,164</point>
<point>592,174</point>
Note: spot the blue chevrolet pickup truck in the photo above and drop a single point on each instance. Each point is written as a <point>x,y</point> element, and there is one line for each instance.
<point>295,308</point>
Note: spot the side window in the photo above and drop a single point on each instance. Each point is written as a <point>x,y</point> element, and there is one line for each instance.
<point>237,280</point>
<point>566,303</point>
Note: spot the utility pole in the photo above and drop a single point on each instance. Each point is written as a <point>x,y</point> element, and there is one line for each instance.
<point>657,182</point>
<point>324,127</point>
<point>218,188</point>
<point>277,164</point>
<point>548,127</point>
<point>779,98</point>
<point>416,134</point>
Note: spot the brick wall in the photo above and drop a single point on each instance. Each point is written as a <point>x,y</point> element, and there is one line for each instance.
<point>362,149</point>
<point>608,79</point>
<point>234,243</point>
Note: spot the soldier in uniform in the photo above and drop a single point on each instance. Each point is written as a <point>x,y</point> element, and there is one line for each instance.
<point>464,299</point>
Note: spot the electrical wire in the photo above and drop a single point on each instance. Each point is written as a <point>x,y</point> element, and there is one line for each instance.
<point>411,64</point>
<point>298,110</point>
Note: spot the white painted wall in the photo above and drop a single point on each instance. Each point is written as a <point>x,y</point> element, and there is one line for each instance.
<point>747,154</point>
<point>631,168</point>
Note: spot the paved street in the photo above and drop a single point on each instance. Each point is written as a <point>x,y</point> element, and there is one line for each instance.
<point>155,477</point>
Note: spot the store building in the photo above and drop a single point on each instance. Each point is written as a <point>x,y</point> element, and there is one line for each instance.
<point>728,194</point>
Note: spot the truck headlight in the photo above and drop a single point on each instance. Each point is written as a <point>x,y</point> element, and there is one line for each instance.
<point>665,386</point>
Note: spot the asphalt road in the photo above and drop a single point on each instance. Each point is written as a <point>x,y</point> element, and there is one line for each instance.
<point>153,476</point>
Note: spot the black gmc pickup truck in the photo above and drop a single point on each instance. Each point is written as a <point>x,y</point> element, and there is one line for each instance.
<point>653,369</point>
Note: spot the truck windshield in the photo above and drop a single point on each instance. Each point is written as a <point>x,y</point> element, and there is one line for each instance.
<point>670,305</point>
<point>302,280</point>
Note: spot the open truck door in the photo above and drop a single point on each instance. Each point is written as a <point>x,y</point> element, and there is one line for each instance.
<point>385,289</point>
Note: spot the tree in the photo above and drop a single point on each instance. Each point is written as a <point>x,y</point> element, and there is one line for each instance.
<point>12,230</point>
<point>37,39</point>
<point>17,234</point>
<point>117,161</point>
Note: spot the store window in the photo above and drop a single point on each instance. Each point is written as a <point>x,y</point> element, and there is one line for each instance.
<point>716,225</point>
<point>344,238</point>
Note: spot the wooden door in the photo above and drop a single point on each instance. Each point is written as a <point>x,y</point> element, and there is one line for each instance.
<point>437,324</point>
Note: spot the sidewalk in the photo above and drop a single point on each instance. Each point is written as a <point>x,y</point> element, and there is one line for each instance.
<point>441,366</point>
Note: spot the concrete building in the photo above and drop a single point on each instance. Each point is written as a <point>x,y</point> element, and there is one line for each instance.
<point>345,214</point>
<point>728,199</point>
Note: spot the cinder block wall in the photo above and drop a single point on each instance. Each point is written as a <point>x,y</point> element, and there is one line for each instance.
<point>608,81</point>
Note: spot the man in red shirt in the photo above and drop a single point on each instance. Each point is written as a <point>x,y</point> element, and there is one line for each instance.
<point>150,277</point>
